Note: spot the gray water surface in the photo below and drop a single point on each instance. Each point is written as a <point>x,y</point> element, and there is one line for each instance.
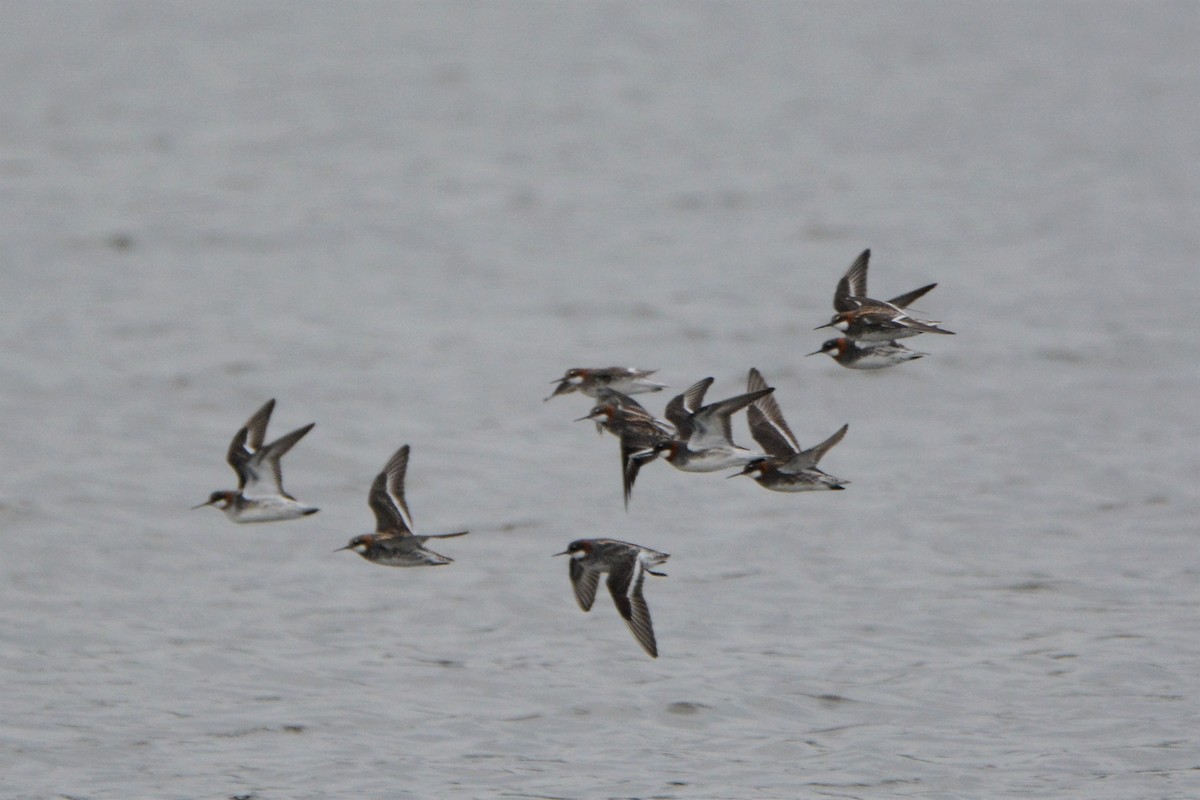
<point>403,220</point>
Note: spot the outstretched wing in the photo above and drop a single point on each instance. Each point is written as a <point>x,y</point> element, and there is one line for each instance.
<point>239,458</point>
<point>267,459</point>
<point>625,586</point>
<point>853,284</point>
<point>809,458</point>
<point>712,425</point>
<point>257,425</point>
<point>248,441</point>
<point>903,300</point>
<point>636,451</point>
<point>584,582</point>
<point>681,408</point>
<point>767,424</point>
<point>387,496</point>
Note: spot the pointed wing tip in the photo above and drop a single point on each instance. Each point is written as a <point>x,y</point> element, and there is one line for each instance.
<point>644,636</point>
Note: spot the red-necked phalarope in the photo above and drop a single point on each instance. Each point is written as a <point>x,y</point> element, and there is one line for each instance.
<point>627,566</point>
<point>866,320</point>
<point>260,496</point>
<point>591,380</point>
<point>786,468</point>
<point>393,544</point>
<point>703,440</point>
<point>639,432</point>
<point>852,355</point>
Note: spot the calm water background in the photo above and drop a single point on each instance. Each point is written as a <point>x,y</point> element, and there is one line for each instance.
<point>403,220</point>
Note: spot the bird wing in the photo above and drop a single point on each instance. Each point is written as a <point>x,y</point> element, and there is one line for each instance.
<point>257,425</point>
<point>680,410</point>
<point>712,425</point>
<point>903,300</point>
<point>267,458</point>
<point>625,586</point>
<point>809,458</point>
<point>853,284</point>
<point>386,497</point>
<point>239,457</point>
<point>637,448</point>
<point>584,582</point>
<point>769,428</point>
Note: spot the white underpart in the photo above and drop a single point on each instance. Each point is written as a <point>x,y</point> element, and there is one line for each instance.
<point>267,508</point>
<point>714,459</point>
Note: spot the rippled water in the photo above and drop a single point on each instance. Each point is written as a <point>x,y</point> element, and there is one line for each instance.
<point>403,220</point>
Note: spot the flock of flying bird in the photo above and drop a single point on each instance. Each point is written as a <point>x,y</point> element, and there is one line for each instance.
<point>694,438</point>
